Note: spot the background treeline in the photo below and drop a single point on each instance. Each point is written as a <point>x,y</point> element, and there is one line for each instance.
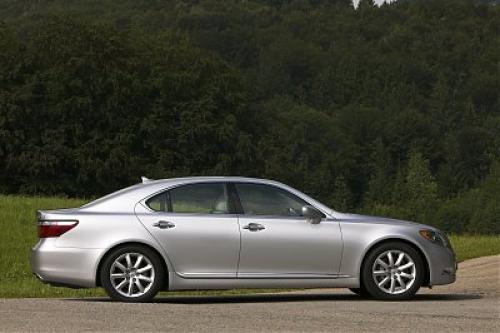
<point>392,111</point>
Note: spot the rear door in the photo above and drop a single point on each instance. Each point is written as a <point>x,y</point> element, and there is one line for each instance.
<point>278,242</point>
<point>195,226</point>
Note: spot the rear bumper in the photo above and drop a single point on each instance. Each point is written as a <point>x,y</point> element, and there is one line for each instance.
<point>70,267</point>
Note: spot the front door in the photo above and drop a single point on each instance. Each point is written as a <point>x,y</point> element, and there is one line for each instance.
<point>194,225</point>
<point>277,241</point>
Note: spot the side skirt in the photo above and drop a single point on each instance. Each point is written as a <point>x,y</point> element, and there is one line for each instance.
<point>179,283</point>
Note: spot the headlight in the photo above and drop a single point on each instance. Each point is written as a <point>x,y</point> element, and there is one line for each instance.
<point>434,236</point>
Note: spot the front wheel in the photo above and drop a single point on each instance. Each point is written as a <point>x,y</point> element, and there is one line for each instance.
<point>132,274</point>
<point>393,271</point>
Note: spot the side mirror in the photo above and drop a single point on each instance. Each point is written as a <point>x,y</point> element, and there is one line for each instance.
<point>312,214</point>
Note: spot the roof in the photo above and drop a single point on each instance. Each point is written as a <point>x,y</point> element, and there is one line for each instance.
<point>126,199</point>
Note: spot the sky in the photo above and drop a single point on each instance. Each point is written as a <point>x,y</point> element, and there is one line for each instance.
<point>378,2</point>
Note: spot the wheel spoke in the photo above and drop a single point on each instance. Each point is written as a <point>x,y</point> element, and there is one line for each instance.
<point>120,266</point>
<point>400,281</point>
<point>406,275</point>
<point>121,284</point>
<point>383,282</point>
<point>382,263</point>
<point>400,258</point>
<point>145,268</point>
<point>391,259</point>
<point>139,259</point>
<point>118,275</point>
<point>378,273</point>
<point>129,261</point>
<point>144,278</point>
<point>406,266</point>
<point>130,285</point>
<point>139,285</point>
<point>393,284</point>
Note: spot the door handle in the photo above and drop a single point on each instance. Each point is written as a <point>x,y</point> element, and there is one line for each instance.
<point>164,225</point>
<point>254,227</point>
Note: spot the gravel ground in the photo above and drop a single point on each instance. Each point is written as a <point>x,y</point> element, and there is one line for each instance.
<point>472,304</point>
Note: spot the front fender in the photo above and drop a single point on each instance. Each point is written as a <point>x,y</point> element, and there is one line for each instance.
<point>360,238</point>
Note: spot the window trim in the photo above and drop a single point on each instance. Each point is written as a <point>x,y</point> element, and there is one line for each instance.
<point>235,213</point>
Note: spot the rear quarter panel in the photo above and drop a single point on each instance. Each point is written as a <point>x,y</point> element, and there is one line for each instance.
<point>102,231</point>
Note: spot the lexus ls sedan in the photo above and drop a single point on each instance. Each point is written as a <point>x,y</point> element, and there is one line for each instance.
<point>233,232</point>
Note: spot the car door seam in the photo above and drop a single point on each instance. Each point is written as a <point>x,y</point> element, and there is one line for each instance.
<point>239,251</point>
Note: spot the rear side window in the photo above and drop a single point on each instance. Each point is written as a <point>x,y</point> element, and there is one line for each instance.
<point>261,199</point>
<point>210,198</point>
<point>158,203</point>
<point>205,198</point>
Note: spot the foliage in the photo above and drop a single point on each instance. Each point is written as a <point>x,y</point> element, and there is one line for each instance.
<point>88,107</point>
<point>390,110</point>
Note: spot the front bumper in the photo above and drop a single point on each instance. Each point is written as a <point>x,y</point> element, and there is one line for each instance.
<point>72,267</point>
<point>443,266</point>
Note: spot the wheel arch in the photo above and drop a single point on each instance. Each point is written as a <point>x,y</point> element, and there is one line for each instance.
<point>131,243</point>
<point>425,260</point>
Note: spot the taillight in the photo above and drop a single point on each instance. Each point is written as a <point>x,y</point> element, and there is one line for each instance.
<point>54,228</point>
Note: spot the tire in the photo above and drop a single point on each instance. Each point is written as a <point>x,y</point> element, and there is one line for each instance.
<point>361,291</point>
<point>130,274</point>
<point>398,281</point>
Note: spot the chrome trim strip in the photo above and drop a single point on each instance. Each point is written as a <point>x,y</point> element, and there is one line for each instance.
<point>241,216</point>
<point>260,276</point>
<point>206,275</point>
<point>290,276</point>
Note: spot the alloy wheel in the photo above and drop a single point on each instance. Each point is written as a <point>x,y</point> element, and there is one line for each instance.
<point>394,272</point>
<point>132,274</point>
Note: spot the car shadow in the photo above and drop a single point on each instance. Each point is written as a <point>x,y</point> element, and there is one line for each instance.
<point>283,298</point>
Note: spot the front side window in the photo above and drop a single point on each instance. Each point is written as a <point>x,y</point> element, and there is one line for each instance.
<point>261,199</point>
<point>210,198</point>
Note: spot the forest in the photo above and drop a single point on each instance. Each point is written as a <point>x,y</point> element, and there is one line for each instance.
<point>390,110</point>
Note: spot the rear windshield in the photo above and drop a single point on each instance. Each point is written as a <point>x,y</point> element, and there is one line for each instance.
<point>111,195</point>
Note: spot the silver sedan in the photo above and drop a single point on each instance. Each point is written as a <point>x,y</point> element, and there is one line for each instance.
<point>233,232</point>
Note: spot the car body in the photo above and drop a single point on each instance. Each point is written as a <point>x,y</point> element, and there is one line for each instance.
<point>231,232</point>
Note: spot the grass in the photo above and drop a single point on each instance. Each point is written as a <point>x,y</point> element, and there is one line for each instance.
<point>18,235</point>
<point>474,246</point>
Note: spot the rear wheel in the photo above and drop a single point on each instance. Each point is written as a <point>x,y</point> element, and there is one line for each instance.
<point>393,271</point>
<point>132,274</point>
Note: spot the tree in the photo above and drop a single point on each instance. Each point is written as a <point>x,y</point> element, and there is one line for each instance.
<point>365,109</point>
<point>379,185</point>
<point>421,189</point>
